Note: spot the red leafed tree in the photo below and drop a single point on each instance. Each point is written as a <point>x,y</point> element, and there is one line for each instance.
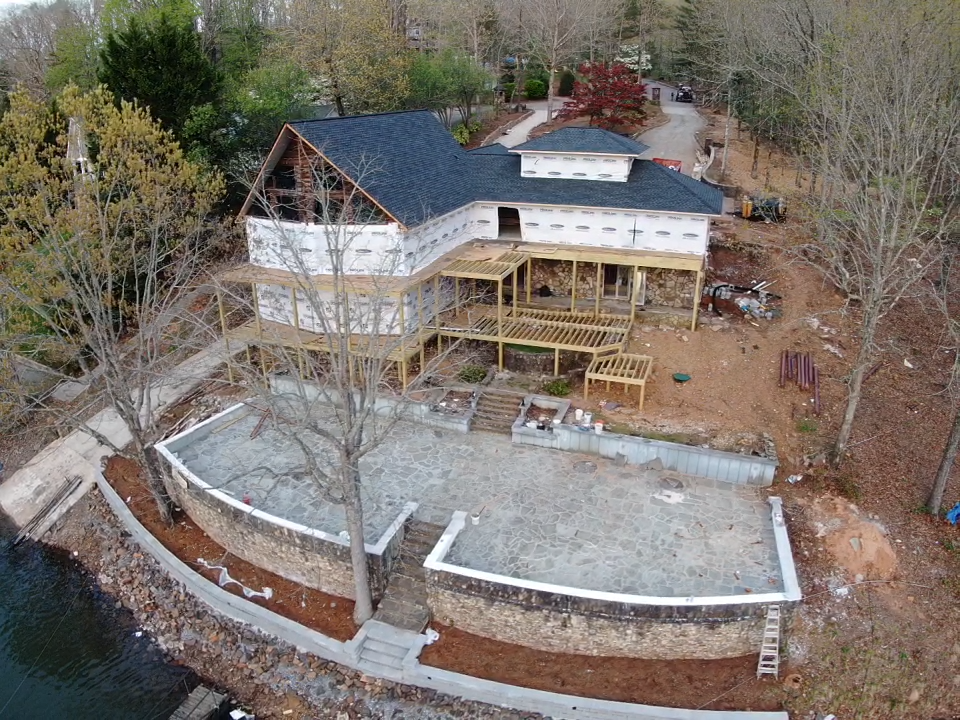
<point>610,96</point>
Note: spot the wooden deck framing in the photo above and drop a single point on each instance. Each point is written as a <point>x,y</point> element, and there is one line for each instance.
<point>623,368</point>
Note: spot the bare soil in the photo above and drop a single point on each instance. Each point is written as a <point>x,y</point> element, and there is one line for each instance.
<point>329,614</point>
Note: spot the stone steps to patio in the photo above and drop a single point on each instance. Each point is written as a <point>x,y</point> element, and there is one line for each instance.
<point>384,647</point>
<point>496,412</point>
<point>404,604</point>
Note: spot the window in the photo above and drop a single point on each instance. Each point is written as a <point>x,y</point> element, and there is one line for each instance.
<point>554,173</point>
<point>609,229</point>
<point>532,224</point>
<point>605,175</point>
<point>434,241</point>
<point>583,227</point>
<point>663,233</point>
<point>636,232</point>
<point>692,236</point>
<point>446,235</point>
<point>579,174</point>
<point>557,226</point>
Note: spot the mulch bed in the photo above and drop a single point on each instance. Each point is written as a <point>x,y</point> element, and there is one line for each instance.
<point>328,614</point>
<point>491,124</point>
<point>710,684</point>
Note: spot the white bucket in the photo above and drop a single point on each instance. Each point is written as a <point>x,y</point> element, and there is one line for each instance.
<point>475,519</point>
<point>578,414</point>
<point>598,427</point>
<point>587,419</point>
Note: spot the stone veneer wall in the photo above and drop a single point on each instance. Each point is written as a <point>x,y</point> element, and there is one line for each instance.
<point>569,624</point>
<point>670,288</point>
<point>665,288</point>
<point>303,558</point>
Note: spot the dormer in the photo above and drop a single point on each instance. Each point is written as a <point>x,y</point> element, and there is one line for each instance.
<point>574,153</point>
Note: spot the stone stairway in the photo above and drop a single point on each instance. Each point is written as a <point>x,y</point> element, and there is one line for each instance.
<point>404,604</point>
<point>382,649</point>
<point>496,412</point>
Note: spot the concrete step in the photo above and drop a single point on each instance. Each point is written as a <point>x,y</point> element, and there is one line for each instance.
<point>368,654</point>
<point>384,648</point>
<point>379,669</point>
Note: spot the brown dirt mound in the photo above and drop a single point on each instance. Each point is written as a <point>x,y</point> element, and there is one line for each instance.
<point>856,543</point>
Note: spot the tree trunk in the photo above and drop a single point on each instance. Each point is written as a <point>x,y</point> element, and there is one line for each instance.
<point>935,501</point>
<point>154,475</point>
<point>755,167</point>
<point>553,73</point>
<point>855,391</point>
<point>363,609</point>
<point>726,145</point>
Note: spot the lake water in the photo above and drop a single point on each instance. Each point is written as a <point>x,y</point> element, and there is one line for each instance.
<point>66,652</point>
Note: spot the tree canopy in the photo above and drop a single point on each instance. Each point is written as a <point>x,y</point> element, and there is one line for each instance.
<point>609,95</point>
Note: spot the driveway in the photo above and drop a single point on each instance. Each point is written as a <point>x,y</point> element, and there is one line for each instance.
<point>675,140</point>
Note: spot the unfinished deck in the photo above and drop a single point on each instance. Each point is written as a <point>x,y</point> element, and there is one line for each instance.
<point>623,368</point>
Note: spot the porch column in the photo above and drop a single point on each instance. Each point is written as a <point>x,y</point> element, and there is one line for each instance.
<point>529,278</point>
<point>696,300</point>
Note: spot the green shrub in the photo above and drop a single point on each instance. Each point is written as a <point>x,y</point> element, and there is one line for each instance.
<point>472,374</point>
<point>807,426</point>
<point>557,388</point>
<point>535,90</point>
<point>566,84</point>
<point>474,126</point>
<point>461,134</point>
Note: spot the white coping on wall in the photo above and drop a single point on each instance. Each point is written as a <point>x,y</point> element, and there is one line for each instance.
<point>788,571</point>
<point>163,448</point>
<point>413,673</point>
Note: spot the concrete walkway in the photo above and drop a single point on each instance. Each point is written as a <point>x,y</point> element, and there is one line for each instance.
<point>521,131</point>
<point>79,454</point>
<point>677,139</point>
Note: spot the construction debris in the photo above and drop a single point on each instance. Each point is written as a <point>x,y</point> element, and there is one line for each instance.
<point>799,367</point>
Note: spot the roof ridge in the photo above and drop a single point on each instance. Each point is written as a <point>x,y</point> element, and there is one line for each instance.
<point>364,115</point>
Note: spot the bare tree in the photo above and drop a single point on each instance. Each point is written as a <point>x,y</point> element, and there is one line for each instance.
<point>338,328</point>
<point>98,252</point>
<point>553,32</point>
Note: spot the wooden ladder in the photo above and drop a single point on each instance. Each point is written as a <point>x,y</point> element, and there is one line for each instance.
<point>769,663</point>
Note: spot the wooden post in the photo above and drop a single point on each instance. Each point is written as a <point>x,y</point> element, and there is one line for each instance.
<point>633,294</point>
<point>696,303</point>
<point>296,327</point>
<point>456,298</point>
<point>256,310</point>
<point>529,278</point>
<point>516,291</point>
<point>556,362</point>
<point>599,289</point>
<point>500,321</point>
<point>403,374</point>
<point>573,288</point>
<point>223,330</point>
<point>403,327</point>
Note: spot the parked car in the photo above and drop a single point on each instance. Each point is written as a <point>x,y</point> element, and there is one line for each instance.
<point>685,94</point>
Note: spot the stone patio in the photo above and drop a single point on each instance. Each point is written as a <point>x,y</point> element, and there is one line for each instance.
<point>545,515</point>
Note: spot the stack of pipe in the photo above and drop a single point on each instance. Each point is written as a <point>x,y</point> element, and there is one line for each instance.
<point>799,368</point>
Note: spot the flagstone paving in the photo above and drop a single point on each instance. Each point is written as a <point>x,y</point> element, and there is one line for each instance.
<point>545,515</point>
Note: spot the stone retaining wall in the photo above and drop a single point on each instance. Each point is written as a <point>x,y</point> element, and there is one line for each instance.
<point>687,459</point>
<point>573,620</point>
<point>305,555</point>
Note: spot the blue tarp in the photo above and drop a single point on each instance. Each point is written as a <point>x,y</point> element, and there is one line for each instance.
<point>953,517</point>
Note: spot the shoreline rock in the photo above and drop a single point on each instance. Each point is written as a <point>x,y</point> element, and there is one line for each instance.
<point>260,672</point>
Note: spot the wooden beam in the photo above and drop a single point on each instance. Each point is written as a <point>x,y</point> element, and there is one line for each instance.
<point>633,294</point>
<point>256,307</point>
<point>516,290</point>
<point>456,301</point>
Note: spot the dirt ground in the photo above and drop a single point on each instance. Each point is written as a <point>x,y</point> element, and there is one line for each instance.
<point>655,118</point>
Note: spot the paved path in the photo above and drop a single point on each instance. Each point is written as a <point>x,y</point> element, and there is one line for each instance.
<point>675,140</point>
<point>546,515</point>
<point>30,488</point>
<point>520,132</point>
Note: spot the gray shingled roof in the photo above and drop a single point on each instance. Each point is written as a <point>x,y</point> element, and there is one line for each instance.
<point>411,165</point>
<point>583,140</point>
